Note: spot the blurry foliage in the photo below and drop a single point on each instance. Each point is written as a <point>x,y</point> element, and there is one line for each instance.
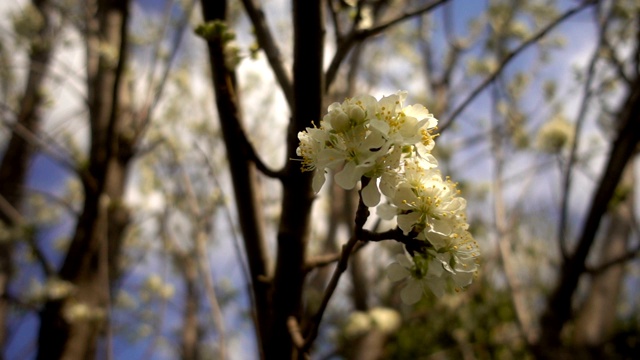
<point>481,322</point>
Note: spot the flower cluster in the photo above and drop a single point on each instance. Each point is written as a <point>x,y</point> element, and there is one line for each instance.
<point>390,144</point>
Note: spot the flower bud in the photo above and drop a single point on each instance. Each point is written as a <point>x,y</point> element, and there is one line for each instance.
<point>340,121</point>
<point>356,113</point>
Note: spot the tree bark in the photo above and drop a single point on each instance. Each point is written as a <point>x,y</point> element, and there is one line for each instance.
<point>243,172</point>
<point>16,158</point>
<point>95,244</point>
<point>190,335</point>
<point>293,232</point>
<point>596,318</point>
<point>559,306</point>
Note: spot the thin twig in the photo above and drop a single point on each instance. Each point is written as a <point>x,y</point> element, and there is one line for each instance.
<point>629,255</point>
<point>507,59</point>
<point>47,145</point>
<point>582,112</point>
<point>16,218</point>
<point>617,63</point>
<point>216,311</point>
<point>227,212</point>
<point>328,259</point>
<point>359,35</point>
<point>152,101</point>
<point>253,156</point>
<point>296,333</point>
<point>503,230</point>
<point>362,213</point>
<point>366,236</point>
<point>331,287</point>
<point>204,266</point>
<point>268,44</point>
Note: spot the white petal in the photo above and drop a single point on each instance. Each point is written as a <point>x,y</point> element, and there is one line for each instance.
<point>412,293</point>
<point>389,183</point>
<point>386,211</point>
<point>428,161</point>
<point>435,268</point>
<point>409,127</point>
<point>446,266</point>
<point>374,140</point>
<point>403,193</point>
<point>456,204</point>
<point>370,194</point>
<point>407,221</point>
<point>436,239</point>
<point>379,125</point>
<point>443,227</point>
<point>463,279</point>
<point>404,260</point>
<point>436,286</point>
<point>397,272</point>
<point>318,180</point>
<point>347,177</point>
<point>417,110</point>
<point>330,158</point>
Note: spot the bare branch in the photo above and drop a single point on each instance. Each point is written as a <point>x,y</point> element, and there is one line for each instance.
<point>502,229</point>
<point>559,310</point>
<point>296,333</point>
<point>295,221</point>
<point>357,36</point>
<point>268,44</point>
<point>47,145</point>
<point>202,220</point>
<point>242,171</point>
<point>144,116</point>
<point>331,287</point>
<point>328,259</point>
<point>18,220</point>
<point>629,255</point>
<point>615,60</point>
<point>507,59</point>
<point>362,213</point>
<point>582,112</point>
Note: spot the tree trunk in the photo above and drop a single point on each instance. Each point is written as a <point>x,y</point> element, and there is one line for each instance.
<point>559,306</point>
<point>596,318</point>
<point>293,232</point>
<point>69,328</point>
<point>243,172</point>
<point>17,155</point>
<point>190,336</point>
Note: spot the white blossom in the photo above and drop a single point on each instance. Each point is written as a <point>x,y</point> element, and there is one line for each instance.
<point>386,146</point>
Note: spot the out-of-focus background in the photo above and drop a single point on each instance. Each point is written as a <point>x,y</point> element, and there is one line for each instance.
<point>128,229</point>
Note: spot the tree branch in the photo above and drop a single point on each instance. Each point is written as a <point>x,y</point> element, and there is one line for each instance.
<point>48,146</point>
<point>8,211</point>
<point>559,309</point>
<point>356,36</point>
<point>507,59</point>
<point>294,227</point>
<point>629,255</point>
<point>582,112</point>
<point>152,99</point>
<point>362,213</point>
<point>328,259</point>
<point>242,170</point>
<point>268,44</point>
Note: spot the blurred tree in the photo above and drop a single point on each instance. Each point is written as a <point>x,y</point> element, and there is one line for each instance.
<point>37,26</point>
<point>514,127</point>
